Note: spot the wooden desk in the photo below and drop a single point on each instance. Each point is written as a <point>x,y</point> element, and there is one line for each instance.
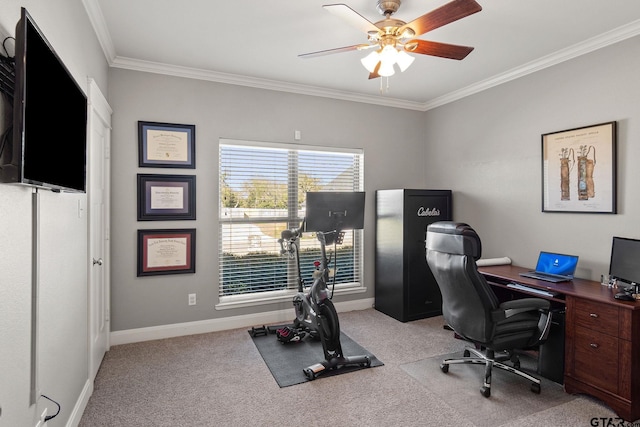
<point>602,338</point>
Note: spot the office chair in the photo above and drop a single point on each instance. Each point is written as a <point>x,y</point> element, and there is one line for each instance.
<point>473,311</point>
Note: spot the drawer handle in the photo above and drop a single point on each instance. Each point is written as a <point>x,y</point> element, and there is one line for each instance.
<point>594,315</point>
<point>594,345</point>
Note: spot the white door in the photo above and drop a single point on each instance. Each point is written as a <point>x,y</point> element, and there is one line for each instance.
<point>99,128</point>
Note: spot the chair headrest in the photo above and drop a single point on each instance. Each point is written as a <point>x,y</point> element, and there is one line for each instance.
<point>455,238</point>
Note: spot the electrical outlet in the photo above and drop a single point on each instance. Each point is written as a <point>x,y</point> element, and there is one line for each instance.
<point>192,299</point>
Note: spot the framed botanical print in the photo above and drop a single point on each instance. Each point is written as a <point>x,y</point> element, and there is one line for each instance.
<point>579,170</point>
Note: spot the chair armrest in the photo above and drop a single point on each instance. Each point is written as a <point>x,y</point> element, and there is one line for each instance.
<point>517,306</point>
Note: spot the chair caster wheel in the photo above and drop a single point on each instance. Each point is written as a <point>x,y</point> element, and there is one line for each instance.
<point>466,353</point>
<point>485,391</point>
<point>309,374</point>
<point>366,363</point>
<point>535,388</point>
<point>444,368</point>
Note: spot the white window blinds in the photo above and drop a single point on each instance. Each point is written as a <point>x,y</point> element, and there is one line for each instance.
<point>262,192</point>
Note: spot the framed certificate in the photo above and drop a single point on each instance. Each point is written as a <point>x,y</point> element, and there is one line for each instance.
<point>166,251</point>
<point>166,145</point>
<point>166,197</point>
<point>579,170</point>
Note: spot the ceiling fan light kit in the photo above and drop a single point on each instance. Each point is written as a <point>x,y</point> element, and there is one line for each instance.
<point>387,58</point>
<point>404,60</point>
<point>370,61</point>
<point>393,38</point>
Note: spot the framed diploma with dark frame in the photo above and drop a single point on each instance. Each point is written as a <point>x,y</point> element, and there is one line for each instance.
<point>171,251</point>
<point>166,197</point>
<point>166,145</point>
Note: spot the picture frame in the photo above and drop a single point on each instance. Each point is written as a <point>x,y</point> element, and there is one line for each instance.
<point>579,169</point>
<point>166,145</point>
<point>166,197</point>
<point>168,251</point>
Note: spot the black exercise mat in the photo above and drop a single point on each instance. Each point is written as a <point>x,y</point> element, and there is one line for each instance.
<point>286,361</point>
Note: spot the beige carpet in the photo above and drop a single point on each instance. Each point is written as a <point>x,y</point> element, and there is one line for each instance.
<point>220,379</point>
<point>511,397</point>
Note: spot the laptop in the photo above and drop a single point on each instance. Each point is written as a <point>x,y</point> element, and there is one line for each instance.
<point>553,267</point>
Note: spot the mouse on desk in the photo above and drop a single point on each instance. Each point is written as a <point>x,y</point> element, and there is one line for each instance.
<point>624,296</point>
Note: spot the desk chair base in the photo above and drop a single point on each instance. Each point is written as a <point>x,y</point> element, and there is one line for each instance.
<point>490,360</point>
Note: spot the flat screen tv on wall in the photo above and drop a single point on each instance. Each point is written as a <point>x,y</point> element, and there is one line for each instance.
<point>49,117</point>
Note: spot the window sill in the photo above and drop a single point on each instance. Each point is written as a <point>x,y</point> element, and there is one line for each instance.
<point>240,301</point>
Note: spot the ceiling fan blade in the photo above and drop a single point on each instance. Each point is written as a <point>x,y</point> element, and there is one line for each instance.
<point>332,51</point>
<point>450,12</point>
<point>374,74</point>
<point>443,50</point>
<point>352,17</point>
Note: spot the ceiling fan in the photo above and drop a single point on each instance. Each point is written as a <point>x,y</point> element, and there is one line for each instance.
<point>393,38</point>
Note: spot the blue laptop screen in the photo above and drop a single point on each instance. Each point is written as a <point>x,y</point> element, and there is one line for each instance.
<point>557,264</point>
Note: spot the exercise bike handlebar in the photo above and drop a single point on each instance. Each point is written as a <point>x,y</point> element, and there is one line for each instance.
<point>291,234</point>
<point>287,240</point>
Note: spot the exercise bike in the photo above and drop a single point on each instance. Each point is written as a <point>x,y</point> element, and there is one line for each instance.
<point>316,315</point>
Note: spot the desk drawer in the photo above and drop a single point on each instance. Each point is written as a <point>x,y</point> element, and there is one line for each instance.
<point>597,316</point>
<point>596,359</point>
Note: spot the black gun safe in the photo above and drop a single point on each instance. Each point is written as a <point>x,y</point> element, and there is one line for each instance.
<point>405,288</point>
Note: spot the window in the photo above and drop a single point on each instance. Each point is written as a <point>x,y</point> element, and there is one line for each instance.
<point>262,192</point>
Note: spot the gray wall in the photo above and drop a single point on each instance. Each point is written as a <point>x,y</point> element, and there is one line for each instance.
<point>391,138</point>
<point>62,355</point>
<point>487,148</point>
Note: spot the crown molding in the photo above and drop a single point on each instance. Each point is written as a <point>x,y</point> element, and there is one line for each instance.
<point>97,20</point>
<point>100,27</point>
<point>235,79</point>
<point>606,39</point>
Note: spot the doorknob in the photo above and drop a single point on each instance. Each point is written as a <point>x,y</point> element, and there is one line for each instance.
<point>97,261</point>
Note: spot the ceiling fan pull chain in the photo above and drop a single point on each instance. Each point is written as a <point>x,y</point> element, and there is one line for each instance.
<point>384,89</point>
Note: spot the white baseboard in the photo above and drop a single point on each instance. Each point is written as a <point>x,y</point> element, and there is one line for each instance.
<point>213,325</point>
<point>81,404</point>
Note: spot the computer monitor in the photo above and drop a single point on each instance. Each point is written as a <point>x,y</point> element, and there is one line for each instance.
<point>625,261</point>
<point>334,211</point>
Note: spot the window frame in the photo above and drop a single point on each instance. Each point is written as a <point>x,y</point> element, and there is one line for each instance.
<point>285,295</point>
